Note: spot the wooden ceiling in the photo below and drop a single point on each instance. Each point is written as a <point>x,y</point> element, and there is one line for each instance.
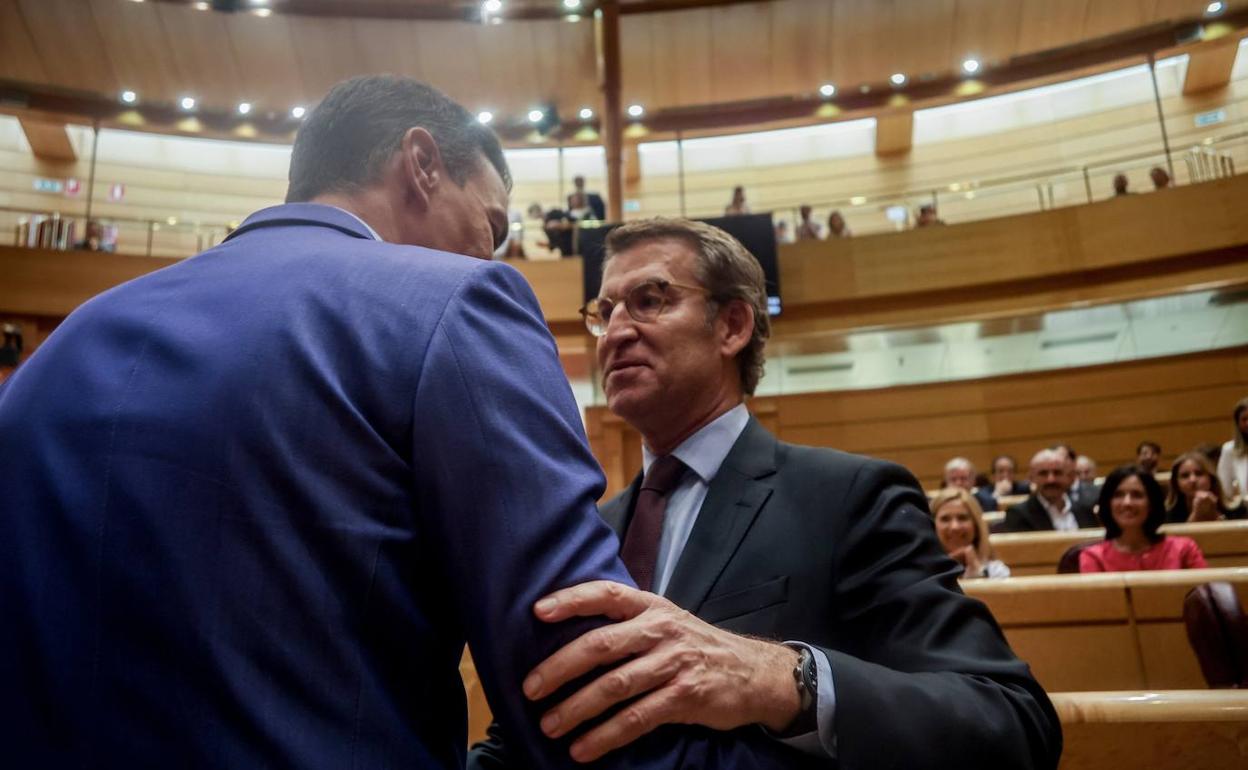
<point>724,53</point>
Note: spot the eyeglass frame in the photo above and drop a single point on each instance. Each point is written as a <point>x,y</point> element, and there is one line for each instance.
<point>663,286</point>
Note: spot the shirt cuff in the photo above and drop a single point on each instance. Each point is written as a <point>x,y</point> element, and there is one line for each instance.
<point>822,741</point>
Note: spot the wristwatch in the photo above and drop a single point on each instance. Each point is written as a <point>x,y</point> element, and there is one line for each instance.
<point>806,677</point>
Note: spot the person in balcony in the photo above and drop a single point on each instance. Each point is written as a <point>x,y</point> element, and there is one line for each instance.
<point>1160,177</point>
<point>963,533</point>
<point>1196,494</point>
<point>1120,185</point>
<point>807,228</point>
<point>1132,507</point>
<point>837,228</point>
<point>927,216</point>
<point>738,205</point>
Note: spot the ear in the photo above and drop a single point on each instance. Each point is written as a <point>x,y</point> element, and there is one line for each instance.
<point>421,166</point>
<point>735,326</point>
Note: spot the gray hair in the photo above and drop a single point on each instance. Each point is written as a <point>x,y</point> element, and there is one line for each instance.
<point>723,267</point>
<point>347,139</point>
<point>959,462</point>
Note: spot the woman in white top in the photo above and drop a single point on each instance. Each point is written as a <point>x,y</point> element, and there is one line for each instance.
<point>964,534</point>
<point>1233,464</point>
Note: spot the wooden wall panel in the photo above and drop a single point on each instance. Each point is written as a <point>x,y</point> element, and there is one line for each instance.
<point>326,49</point>
<point>68,44</point>
<point>204,55</point>
<point>19,59</point>
<point>266,58</point>
<point>740,62</point>
<point>1104,411</point>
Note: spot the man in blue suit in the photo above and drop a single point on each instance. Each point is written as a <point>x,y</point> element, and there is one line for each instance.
<point>254,504</point>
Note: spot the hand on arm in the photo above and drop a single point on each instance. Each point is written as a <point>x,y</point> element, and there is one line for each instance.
<point>682,670</point>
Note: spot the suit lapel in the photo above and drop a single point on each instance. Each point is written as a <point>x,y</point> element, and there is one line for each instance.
<point>616,510</point>
<point>733,500</point>
<point>1039,516</point>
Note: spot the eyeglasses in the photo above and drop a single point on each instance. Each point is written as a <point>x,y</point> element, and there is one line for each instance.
<point>645,302</point>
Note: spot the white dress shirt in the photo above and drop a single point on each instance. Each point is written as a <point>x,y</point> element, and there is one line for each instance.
<point>1063,517</point>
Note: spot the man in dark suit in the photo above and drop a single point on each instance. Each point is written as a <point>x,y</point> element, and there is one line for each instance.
<point>583,204</point>
<point>960,472</point>
<point>1050,507</point>
<point>1004,484</point>
<point>831,552</point>
<point>256,502</point>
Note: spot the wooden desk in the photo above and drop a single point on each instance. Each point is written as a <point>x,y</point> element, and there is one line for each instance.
<point>1166,730</point>
<point>1224,543</point>
<point>1108,631</point>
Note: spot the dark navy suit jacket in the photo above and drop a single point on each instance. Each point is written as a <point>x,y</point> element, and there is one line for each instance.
<point>254,504</point>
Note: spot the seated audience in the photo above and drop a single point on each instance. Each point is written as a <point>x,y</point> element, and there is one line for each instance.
<point>927,216</point>
<point>558,226</point>
<point>1004,482</point>
<point>738,205</point>
<point>960,474</point>
<point>1196,493</point>
<point>964,535</point>
<point>1085,470</point>
<point>1160,177</point>
<point>782,232</point>
<point>1132,507</point>
<point>10,351</point>
<point>94,239</point>
<point>1233,464</point>
<point>837,228</point>
<point>1050,506</point>
<point>1147,455</point>
<point>1120,185</point>
<point>1210,450</point>
<point>1081,493</point>
<point>807,228</point>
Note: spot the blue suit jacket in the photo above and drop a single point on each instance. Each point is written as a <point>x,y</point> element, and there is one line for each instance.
<point>254,504</point>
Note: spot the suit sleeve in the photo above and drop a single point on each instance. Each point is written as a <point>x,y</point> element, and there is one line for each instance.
<point>919,667</point>
<point>506,485</point>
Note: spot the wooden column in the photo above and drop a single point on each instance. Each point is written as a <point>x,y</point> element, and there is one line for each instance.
<point>607,38</point>
<point>1210,66</point>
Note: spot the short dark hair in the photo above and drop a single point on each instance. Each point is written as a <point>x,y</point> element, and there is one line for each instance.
<point>1156,447</point>
<point>1152,490</point>
<point>347,139</point>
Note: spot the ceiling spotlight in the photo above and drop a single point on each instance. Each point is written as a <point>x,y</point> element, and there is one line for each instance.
<point>857,200</point>
<point>970,66</point>
<point>636,110</point>
<point>263,13</point>
<point>485,117</point>
<point>259,3</point>
<point>535,116</point>
<point>1214,8</point>
<point>201,6</point>
<point>897,79</point>
<point>129,97</point>
<point>586,113</point>
<point>244,108</point>
<point>827,90</point>
<point>492,6</point>
<point>298,112</point>
<point>571,5</point>
<point>188,103</point>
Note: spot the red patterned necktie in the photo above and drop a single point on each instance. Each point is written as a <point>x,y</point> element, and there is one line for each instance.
<point>641,543</point>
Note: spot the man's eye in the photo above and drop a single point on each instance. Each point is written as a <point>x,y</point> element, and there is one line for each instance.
<point>648,299</point>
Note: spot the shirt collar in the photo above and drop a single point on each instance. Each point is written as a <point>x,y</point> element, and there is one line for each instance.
<point>367,226</point>
<point>1055,510</point>
<point>705,450</point>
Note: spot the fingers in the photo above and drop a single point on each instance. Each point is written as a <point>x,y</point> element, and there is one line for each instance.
<point>596,648</point>
<point>659,707</point>
<point>616,686</point>
<point>598,597</point>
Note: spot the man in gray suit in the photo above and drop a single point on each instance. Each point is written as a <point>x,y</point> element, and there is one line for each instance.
<point>884,661</point>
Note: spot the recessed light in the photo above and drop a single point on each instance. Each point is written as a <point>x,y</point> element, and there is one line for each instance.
<point>857,200</point>
<point>572,5</point>
<point>259,3</point>
<point>970,66</point>
<point>187,102</point>
<point>263,13</point>
<point>864,89</point>
<point>201,6</point>
<point>827,90</point>
<point>586,113</point>
<point>244,108</point>
<point>172,221</point>
<point>129,97</point>
<point>485,117</point>
<point>535,116</point>
<point>897,79</point>
<point>1214,8</point>
<point>492,6</point>
<point>298,112</point>
<point>636,110</point>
